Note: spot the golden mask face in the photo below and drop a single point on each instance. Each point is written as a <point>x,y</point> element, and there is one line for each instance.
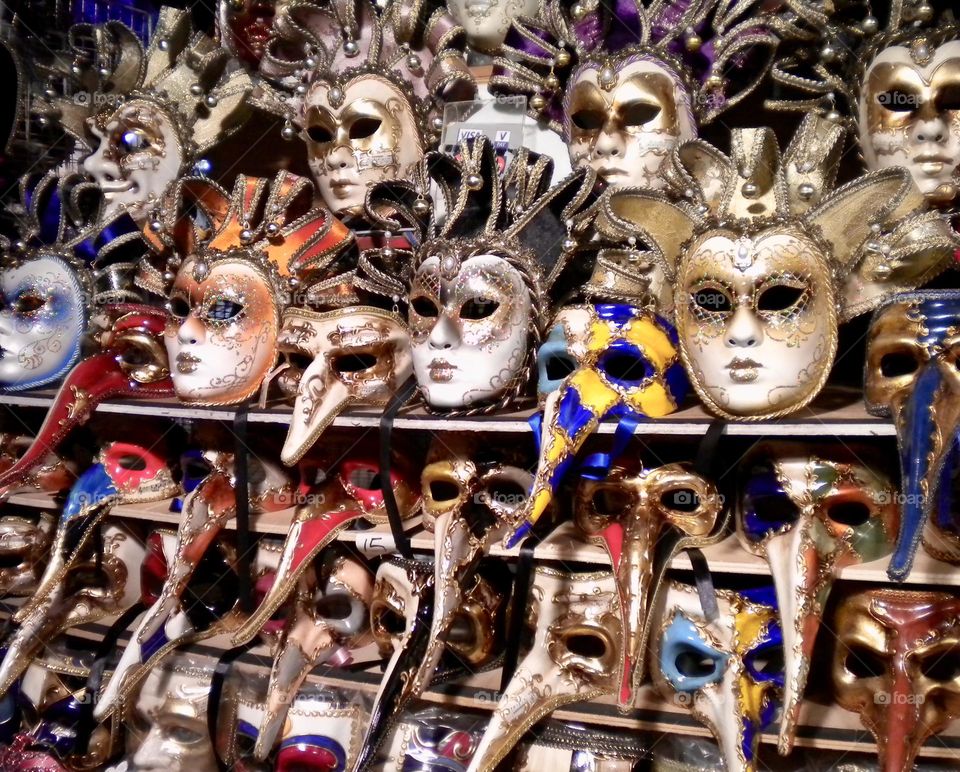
<point>626,128</point>
<point>910,115</point>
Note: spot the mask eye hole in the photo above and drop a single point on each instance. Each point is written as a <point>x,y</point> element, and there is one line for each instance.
<point>319,134</point>
<point>444,490</point>
<point>559,366</point>
<point>462,633</point>
<point>638,113</point>
<point>713,299</point>
<point>134,356</point>
<point>948,98</point>
<point>851,513</point>
<point>353,363</point>
<point>779,297</point>
<point>179,306</point>
<point>183,735</point>
<point>424,307</point>
<point>390,622</point>
<point>625,367</point>
<point>767,663</point>
<point>589,120</point>
<point>223,310</point>
<point>612,502</point>
<point>364,127</point>
<point>334,606</point>
<point>298,361</point>
<point>132,462</point>
<point>365,478</point>
<point>133,141</point>
<point>28,303</point>
<point>898,100</point>
<point>941,666</point>
<point>684,500</point>
<point>862,662</point>
<point>586,645</point>
<point>691,663</point>
<point>896,364</point>
<point>478,308</point>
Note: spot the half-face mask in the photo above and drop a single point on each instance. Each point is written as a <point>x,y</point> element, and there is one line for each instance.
<point>372,108</point>
<point>577,645</point>
<point>433,739</point>
<point>910,375</point>
<point>642,517</point>
<point>895,663</point>
<point>131,363</point>
<point>94,586</point>
<point>54,475</point>
<point>757,305</point>
<point>24,543</point>
<point>178,106</point>
<point>228,293</point>
<point>485,24</point>
<point>631,368</point>
<point>245,26</point>
<point>330,616</point>
<point>400,621</point>
<point>810,513</point>
<point>358,356</point>
<point>728,671</point>
<point>908,114</point>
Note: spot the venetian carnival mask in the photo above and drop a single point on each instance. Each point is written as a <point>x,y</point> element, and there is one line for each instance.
<point>909,114</point>
<point>563,349</point>
<point>485,22</point>
<point>358,356</point>
<point>55,475</point>
<point>727,671</point>
<point>896,664</point>
<point>810,513</point>
<point>577,645</point>
<point>24,543</point>
<point>632,513</point>
<point>432,739</point>
<point>910,374</point>
<point>631,368</point>
<point>245,26</point>
<point>624,123</point>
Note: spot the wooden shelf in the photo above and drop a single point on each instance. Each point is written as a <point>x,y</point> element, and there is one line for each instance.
<point>837,413</point>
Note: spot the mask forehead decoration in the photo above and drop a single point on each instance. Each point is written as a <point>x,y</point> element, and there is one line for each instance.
<point>476,294</point>
<point>633,513</point>
<point>625,85</point>
<point>577,644</point>
<point>910,375</point>
<point>631,369</point>
<point>727,671</point>
<point>373,106</point>
<point>810,512</point>
<point>904,645</point>
<point>230,288</point>
<point>760,261</point>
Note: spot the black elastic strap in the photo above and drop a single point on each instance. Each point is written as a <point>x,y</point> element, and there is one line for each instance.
<point>106,653</point>
<point>706,461</point>
<point>220,673</point>
<point>403,395</point>
<point>704,581</point>
<point>518,612</point>
<point>242,492</point>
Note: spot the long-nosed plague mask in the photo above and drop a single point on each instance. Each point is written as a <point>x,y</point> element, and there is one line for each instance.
<point>626,85</point>
<point>727,671</point>
<point>233,262</point>
<point>763,253</point>
<point>476,293</point>
<point>148,116</point>
<point>895,663</point>
<point>810,512</point>
<point>365,88</point>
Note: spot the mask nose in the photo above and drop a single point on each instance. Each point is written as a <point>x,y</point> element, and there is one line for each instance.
<point>608,145</point>
<point>190,333</point>
<point>100,168</point>
<point>444,334</point>
<point>743,330</point>
<point>931,128</point>
<point>340,158</point>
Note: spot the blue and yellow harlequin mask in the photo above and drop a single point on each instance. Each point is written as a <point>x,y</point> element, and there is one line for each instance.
<point>631,369</point>
<point>727,671</point>
<point>911,374</point>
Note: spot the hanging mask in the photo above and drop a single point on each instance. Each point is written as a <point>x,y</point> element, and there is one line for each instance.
<point>357,357</point>
<point>908,115</point>
<point>350,494</point>
<point>400,620</point>
<point>322,732</point>
<point>634,513</point>
<point>94,586</point>
<point>757,305</point>
<point>485,24</point>
<point>631,369</point>
<point>245,26</point>
<point>895,663</point>
<point>24,543</point>
<point>228,293</point>
<point>471,494</point>
<point>809,514</point>
<point>431,740</point>
<point>54,475</point>
<point>131,363</point>
<point>728,672</point>
<point>327,619</point>
<point>564,348</point>
<point>170,714</point>
<point>910,374</point>
<point>574,657</point>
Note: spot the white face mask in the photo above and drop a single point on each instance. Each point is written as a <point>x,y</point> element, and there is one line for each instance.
<point>625,128</point>
<point>486,22</point>
<point>469,325</point>
<point>909,115</point>
<point>41,322</point>
<point>357,136</point>
<point>139,156</point>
